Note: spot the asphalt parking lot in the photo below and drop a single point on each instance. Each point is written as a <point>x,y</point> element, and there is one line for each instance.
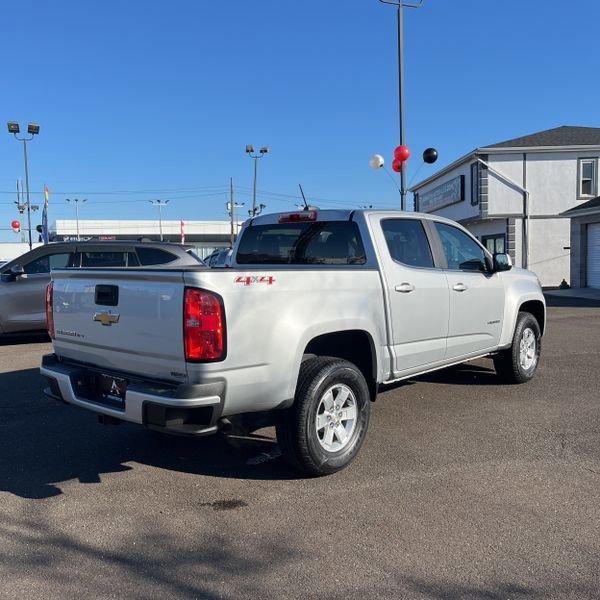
<point>465,488</point>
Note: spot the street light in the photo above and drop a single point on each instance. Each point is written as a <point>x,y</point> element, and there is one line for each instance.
<point>160,204</point>
<point>400,5</point>
<point>32,129</point>
<point>250,152</point>
<point>76,201</point>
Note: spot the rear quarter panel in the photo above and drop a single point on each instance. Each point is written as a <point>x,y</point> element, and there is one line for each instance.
<point>271,316</point>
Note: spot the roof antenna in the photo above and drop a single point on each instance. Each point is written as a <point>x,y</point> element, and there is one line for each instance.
<point>306,207</point>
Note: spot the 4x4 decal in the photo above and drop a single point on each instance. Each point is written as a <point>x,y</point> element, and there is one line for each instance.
<point>250,279</point>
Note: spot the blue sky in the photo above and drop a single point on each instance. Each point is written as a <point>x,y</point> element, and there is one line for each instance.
<point>160,97</point>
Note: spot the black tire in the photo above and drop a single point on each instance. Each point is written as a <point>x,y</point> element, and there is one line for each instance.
<point>296,428</point>
<point>507,362</point>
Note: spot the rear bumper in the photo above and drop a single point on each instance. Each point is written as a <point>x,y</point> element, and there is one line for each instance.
<point>174,408</point>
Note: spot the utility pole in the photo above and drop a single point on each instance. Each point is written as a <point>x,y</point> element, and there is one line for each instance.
<point>231,206</point>
<point>160,204</point>
<point>400,5</point>
<point>76,201</point>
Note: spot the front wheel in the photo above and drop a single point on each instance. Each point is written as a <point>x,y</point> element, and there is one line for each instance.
<point>519,363</point>
<point>325,427</point>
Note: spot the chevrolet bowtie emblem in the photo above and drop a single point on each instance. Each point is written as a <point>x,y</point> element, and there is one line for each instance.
<point>106,318</point>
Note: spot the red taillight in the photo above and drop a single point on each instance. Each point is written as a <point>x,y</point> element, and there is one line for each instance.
<point>50,309</point>
<point>203,326</point>
<point>299,217</point>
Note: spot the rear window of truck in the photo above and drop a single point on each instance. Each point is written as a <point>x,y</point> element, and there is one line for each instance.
<point>320,243</point>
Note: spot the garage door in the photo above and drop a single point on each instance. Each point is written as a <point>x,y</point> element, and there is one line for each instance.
<point>593,255</point>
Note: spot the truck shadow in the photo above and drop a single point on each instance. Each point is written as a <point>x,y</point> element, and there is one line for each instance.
<point>35,337</point>
<point>44,443</point>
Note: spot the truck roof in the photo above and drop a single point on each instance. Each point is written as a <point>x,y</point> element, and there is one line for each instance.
<point>344,215</point>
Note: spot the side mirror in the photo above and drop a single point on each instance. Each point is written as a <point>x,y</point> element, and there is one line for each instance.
<point>14,273</point>
<point>502,262</point>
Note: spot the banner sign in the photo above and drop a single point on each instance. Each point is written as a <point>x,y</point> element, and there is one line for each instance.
<point>447,193</point>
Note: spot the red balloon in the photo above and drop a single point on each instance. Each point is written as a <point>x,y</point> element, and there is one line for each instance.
<point>15,225</point>
<point>397,165</point>
<point>402,153</point>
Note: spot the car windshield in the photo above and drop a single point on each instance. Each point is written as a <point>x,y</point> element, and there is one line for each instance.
<point>326,242</point>
<point>192,252</point>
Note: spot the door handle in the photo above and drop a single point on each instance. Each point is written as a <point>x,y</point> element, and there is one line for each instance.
<point>404,288</point>
<point>459,287</point>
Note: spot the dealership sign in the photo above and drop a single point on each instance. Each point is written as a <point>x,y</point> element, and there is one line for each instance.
<point>451,192</point>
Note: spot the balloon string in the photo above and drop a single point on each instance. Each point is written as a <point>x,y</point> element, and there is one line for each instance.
<point>416,173</point>
<point>390,176</point>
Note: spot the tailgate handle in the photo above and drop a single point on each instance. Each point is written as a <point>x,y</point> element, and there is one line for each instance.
<point>107,295</point>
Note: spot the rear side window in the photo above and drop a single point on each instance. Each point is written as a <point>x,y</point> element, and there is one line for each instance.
<point>407,242</point>
<point>154,256</point>
<point>108,259</point>
<point>321,243</point>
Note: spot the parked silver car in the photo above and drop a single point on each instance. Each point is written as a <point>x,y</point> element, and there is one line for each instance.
<point>23,280</point>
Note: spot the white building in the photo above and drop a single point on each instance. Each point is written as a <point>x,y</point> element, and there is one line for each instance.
<point>511,195</point>
<point>204,235</point>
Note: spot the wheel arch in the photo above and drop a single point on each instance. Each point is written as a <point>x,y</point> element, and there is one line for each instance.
<point>354,345</point>
<point>537,309</point>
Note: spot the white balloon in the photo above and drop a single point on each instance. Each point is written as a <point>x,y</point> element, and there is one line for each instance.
<point>377,161</point>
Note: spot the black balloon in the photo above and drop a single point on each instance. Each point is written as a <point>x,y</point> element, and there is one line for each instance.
<point>430,155</point>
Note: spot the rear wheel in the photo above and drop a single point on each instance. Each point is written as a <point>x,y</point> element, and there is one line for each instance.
<point>325,427</point>
<point>519,363</point>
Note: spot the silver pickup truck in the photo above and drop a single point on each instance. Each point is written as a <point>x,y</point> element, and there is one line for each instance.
<point>319,309</point>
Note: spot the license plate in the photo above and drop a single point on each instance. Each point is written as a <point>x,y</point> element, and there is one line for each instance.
<point>111,390</point>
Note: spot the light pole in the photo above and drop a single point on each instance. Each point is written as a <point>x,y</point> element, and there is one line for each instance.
<point>32,129</point>
<point>160,204</point>
<point>400,5</point>
<point>250,152</point>
<point>76,201</point>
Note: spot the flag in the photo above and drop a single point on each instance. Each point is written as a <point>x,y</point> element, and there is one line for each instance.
<point>182,232</point>
<point>45,236</point>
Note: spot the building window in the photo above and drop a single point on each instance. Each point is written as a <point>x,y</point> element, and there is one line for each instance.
<point>494,243</point>
<point>475,184</point>
<point>587,177</point>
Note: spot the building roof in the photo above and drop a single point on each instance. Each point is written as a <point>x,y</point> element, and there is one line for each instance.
<point>566,135</point>
<point>591,206</point>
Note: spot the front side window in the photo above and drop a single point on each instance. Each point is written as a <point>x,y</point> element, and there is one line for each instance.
<point>320,243</point>
<point>587,177</point>
<point>407,242</point>
<point>44,264</point>
<point>461,251</point>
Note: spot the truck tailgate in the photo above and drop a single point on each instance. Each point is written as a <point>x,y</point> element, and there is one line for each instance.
<point>124,321</point>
